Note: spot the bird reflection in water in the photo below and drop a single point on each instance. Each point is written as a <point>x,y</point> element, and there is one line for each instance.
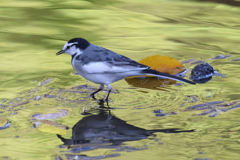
<point>104,130</point>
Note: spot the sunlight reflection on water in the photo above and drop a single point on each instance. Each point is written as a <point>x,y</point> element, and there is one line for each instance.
<point>32,32</point>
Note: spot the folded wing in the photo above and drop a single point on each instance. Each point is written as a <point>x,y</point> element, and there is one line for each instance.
<point>101,60</point>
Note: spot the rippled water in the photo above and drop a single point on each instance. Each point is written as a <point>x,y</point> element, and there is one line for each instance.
<point>33,31</point>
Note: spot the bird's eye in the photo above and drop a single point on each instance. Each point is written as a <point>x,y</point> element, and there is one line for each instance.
<point>69,46</point>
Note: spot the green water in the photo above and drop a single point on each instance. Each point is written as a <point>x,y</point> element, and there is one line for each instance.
<point>31,32</point>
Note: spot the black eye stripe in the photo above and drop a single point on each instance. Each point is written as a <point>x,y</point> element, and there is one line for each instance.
<point>70,46</point>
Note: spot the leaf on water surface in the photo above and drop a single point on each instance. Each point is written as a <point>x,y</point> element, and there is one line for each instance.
<point>160,63</point>
<point>163,64</point>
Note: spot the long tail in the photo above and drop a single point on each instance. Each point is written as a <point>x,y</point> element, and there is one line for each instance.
<point>165,75</point>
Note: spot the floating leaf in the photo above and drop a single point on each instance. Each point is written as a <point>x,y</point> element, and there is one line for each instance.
<point>163,64</point>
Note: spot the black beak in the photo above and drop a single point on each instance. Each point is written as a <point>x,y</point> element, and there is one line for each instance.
<point>60,52</point>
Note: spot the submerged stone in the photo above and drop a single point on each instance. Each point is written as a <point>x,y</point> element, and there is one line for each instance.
<point>202,73</point>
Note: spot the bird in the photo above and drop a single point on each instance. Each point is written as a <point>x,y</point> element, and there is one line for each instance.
<point>102,66</point>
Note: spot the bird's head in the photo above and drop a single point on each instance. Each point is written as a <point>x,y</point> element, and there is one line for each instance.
<point>74,46</point>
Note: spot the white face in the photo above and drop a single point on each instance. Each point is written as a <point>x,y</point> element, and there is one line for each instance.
<point>70,48</point>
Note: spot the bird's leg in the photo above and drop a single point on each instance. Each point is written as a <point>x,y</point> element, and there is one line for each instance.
<point>109,91</point>
<point>107,97</point>
<point>100,88</point>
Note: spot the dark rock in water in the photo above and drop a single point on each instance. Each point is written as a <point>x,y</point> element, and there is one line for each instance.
<point>204,80</point>
<point>202,73</point>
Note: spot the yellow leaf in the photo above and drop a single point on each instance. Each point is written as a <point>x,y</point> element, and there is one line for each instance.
<point>160,63</point>
<point>163,64</point>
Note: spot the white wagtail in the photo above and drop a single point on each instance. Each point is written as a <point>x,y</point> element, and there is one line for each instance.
<point>102,66</point>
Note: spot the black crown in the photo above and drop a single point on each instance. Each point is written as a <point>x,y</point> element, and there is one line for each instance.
<point>82,43</point>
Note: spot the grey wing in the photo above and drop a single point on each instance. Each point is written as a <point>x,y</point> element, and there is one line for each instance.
<point>107,61</point>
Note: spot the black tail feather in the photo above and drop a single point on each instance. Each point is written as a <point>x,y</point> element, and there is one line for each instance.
<point>165,75</point>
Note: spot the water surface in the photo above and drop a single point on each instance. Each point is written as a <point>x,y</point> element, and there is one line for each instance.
<point>33,31</point>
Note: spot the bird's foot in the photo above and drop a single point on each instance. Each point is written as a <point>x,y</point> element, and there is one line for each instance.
<point>93,97</point>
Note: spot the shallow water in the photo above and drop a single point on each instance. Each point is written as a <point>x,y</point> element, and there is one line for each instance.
<point>33,31</point>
